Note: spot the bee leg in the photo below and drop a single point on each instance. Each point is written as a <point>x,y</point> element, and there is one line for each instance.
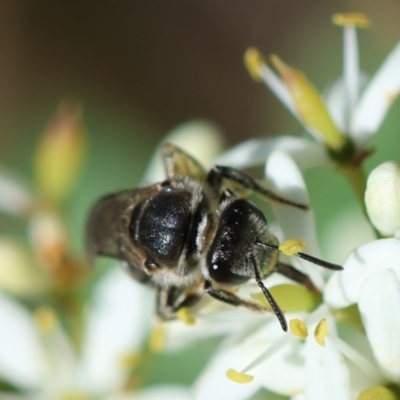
<point>165,300</point>
<point>218,173</point>
<point>297,276</point>
<point>171,299</point>
<point>232,299</point>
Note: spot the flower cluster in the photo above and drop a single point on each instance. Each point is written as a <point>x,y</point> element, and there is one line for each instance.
<point>57,343</point>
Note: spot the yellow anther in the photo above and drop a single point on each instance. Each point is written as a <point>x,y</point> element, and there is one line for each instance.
<point>254,62</point>
<point>298,328</point>
<point>46,319</point>
<point>238,377</point>
<point>291,298</point>
<point>309,105</point>
<point>377,393</point>
<point>321,331</point>
<point>185,315</point>
<point>357,19</point>
<point>291,247</point>
<point>157,339</point>
<point>129,361</point>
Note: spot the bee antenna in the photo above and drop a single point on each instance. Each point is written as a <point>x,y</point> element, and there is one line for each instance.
<point>307,257</point>
<point>274,305</point>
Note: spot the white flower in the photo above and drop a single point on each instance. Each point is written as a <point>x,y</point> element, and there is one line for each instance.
<point>382,197</point>
<point>37,356</point>
<point>371,279</point>
<point>285,363</point>
<point>356,108</point>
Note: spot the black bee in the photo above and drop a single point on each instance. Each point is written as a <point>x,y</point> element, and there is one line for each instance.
<point>193,233</point>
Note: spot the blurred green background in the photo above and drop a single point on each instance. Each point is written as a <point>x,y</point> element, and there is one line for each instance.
<point>142,67</point>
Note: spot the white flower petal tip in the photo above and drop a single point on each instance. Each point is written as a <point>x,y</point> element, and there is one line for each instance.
<point>377,97</point>
<point>379,308</point>
<point>382,197</point>
<point>285,176</point>
<point>201,139</point>
<point>343,289</point>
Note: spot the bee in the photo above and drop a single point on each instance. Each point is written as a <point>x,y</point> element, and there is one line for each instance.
<point>194,233</point>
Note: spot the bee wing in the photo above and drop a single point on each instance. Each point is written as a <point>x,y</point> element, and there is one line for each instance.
<point>105,224</point>
<point>178,163</point>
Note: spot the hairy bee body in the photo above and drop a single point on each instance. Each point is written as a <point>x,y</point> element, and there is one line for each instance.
<point>191,234</point>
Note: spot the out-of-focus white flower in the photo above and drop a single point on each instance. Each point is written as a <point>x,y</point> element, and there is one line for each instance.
<point>354,109</point>
<point>38,357</point>
<point>382,197</point>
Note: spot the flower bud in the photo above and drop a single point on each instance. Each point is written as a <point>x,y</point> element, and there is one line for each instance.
<point>382,197</point>
<point>60,152</point>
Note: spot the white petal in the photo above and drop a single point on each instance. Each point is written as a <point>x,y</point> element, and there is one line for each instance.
<point>327,376</point>
<point>22,359</point>
<point>117,325</point>
<point>286,180</point>
<point>210,324</point>
<point>380,311</point>
<point>281,371</point>
<point>254,152</point>
<point>201,139</point>
<point>14,196</point>
<point>213,383</point>
<point>336,101</point>
<point>343,288</point>
<point>377,97</point>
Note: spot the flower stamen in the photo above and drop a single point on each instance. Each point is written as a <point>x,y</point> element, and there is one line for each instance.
<point>291,247</point>
<point>185,315</point>
<point>298,328</point>
<point>320,332</point>
<point>309,105</point>
<point>238,377</point>
<point>358,19</point>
